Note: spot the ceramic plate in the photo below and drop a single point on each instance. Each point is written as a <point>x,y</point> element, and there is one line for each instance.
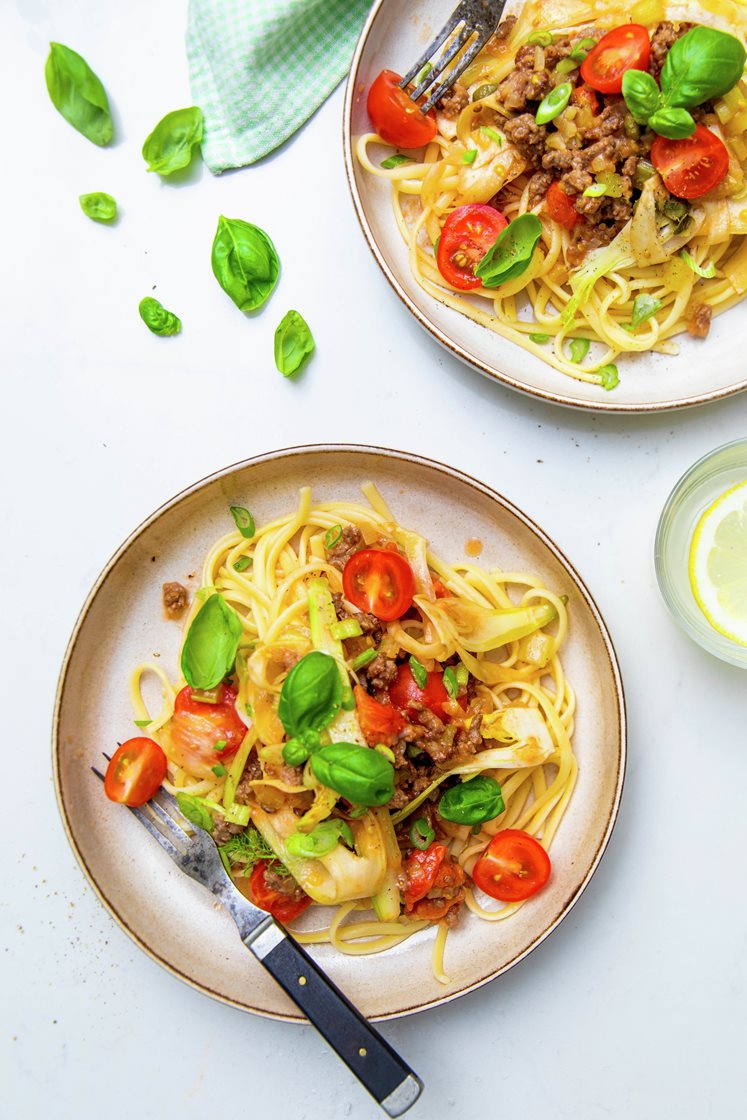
<point>395,35</point>
<point>173,918</point>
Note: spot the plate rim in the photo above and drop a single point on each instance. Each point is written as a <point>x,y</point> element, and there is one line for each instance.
<point>491,372</point>
<point>298,450</point>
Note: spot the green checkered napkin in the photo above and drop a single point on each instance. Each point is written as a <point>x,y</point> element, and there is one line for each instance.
<point>260,68</point>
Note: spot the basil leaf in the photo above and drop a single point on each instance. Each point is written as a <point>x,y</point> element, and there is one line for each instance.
<point>472,802</point>
<point>702,64</point>
<point>579,349</point>
<point>170,145</point>
<point>311,695</point>
<point>675,124</point>
<point>321,841</point>
<point>244,262</point>
<point>419,673</point>
<point>244,521</point>
<point>78,94</point>
<point>294,343</point>
<point>451,683</point>
<point>193,809</point>
<point>707,271</point>
<point>641,93</point>
<point>395,161</point>
<point>643,308</point>
<point>157,319</point>
<point>210,647</point>
<point>99,206</point>
<point>511,252</point>
<point>361,775</point>
<point>609,376</point>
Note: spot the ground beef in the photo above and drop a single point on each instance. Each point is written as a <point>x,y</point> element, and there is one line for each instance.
<point>585,238</point>
<point>501,33</point>
<point>252,772</point>
<point>538,186</point>
<point>665,34</point>
<point>283,884</point>
<point>699,320</point>
<point>528,137</point>
<point>381,673</point>
<point>412,777</point>
<point>175,600</point>
<point>453,101</point>
<point>223,831</point>
<point>351,541</point>
<point>369,623</point>
<point>523,85</point>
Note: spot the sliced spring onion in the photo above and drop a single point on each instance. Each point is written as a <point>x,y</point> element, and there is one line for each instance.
<point>492,134</point>
<point>566,65</point>
<point>244,520</point>
<point>470,156</point>
<point>462,674</point>
<point>143,722</point>
<point>423,74</point>
<point>707,271</point>
<point>333,536</point>
<point>421,834</point>
<point>219,769</point>
<point>484,90</point>
<point>608,376</point>
<point>586,44</point>
<point>220,745</point>
<point>346,628</point>
<point>451,684</point>
<point>644,307</point>
<point>596,190</point>
<point>243,563</point>
<point>205,695</point>
<point>644,171</point>
<point>579,349</point>
<point>539,337</point>
<point>385,751</point>
<point>419,672</point>
<point>540,39</point>
<point>554,103</point>
<point>363,659</point>
<point>394,161</point>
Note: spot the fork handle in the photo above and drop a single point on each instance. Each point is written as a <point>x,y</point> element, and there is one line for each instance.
<point>378,1067</point>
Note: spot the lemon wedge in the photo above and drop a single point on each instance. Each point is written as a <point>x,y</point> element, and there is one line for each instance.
<point>718,564</point>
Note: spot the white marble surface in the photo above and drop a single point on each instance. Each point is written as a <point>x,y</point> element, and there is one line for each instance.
<point>635,1006</point>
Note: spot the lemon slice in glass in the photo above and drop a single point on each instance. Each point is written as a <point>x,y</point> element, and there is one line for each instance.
<point>718,564</point>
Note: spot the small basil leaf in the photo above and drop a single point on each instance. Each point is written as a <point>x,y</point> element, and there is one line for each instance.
<point>321,841</point>
<point>78,94</point>
<point>641,94</point>
<point>511,253</point>
<point>244,262</point>
<point>210,647</point>
<point>170,145</point>
<point>98,206</point>
<point>675,124</point>
<point>419,673</point>
<point>193,809</point>
<point>157,319</point>
<point>295,752</point>
<point>480,799</point>
<point>702,64</point>
<point>311,695</point>
<point>361,775</point>
<point>395,161</point>
<point>609,377</point>
<point>294,343</point>
<point>244,521</point>
<point>643,308</point>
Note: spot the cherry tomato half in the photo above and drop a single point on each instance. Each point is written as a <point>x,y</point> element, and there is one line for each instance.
<point>513,866</point>
<point>560,207</point>
<point>585,96</point>
<point>284,907</point>
<point>135,772</point>
<point>380,723</point>
<point>396,118</point>
<point>468,233</point>
<point>197,726</point>
<point>624,48</point>
<point>448,880</point>
<point>692,166</point>
<point>421,868</point>
<point>405,691</point>
<point>379,581</point>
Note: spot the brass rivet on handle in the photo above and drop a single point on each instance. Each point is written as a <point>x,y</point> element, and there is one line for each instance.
<point>301,980</point>
<point>363,1051</point>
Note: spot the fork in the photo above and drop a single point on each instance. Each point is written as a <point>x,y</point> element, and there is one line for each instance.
<point>378,1067</point>
<point>473,18</point>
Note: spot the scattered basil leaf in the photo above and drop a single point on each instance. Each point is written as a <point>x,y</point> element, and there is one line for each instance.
<point>243,563</point>
<point>311,694</point>
<point>707,271</point>
<point>244,521</point>
<point>579,349</point>
<point>170,145</point>
<point>395,161</point>
<point>244,262</point>
<point>98,206</point>
<point>333,536</point>
<point>554,103</point>
<point>451,684</point>
<point>492,134</point>
<point>470,155</point>
<point>361,775</point>
<point>195,811</point>
<point>294,343</point>
<point>157,319</point>
<point>609,377</point>
<point>143,722</point>
<point>219,769</point>
<point>421,834</point>
<point>539,337</point>
<point>472,802</point>
<point>321,840</point>
<point>210,647</point>
<point>675,124</point>
<point>702,64</point>
<point>511,253</point>
<point>78,94</point>
<point>419,673</point>
<point>643,308</point>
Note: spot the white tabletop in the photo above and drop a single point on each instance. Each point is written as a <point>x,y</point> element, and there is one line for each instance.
<point>635,1006</point>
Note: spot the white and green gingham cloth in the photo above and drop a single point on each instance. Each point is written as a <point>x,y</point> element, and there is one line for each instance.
<point>260,68</point>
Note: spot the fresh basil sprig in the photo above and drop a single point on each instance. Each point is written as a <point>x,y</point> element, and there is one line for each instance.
<point>78,94</point>
<point>244,262</point>
<point>170,145</point>
<point>310,699</point>
<point>511,252</point>
<point>210,647</point>
<point>98,206</point>
<point>702,64</point>
<point>361,775</point>
<point>157,319</point>
<point>480,799</point>
<point>294,343</point>
<point>321,841</point>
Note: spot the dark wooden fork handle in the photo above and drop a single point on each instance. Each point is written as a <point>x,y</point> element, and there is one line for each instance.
<point>378,1067</point>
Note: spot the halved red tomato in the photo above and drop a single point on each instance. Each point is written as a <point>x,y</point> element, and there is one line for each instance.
<point>624,48</point>
<point>513,866</point>
<point>692,166</point>
<point>379,581</point>
<point>396,118</point>
<point>196,727</point>
<point>135,772</point>
<point>468,233</point>
<point>421,868</point>
<point>406,691</point>
<point>560,207</point>
<point>380,723</point>
<point>585,96</point>
<point>282,906</point>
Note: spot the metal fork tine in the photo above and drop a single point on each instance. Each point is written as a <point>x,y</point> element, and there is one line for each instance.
<point>437,93</point>
<point>453,22</point>
<point>108,757</point>
<point>170,800</point>
<point>174,828</point>
<point>465,34</point>
<point>98,773</point>
<point>156,833</point>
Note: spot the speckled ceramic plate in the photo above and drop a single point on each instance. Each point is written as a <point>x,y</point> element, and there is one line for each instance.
<point>173,918</point>
<point>395,35</point>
